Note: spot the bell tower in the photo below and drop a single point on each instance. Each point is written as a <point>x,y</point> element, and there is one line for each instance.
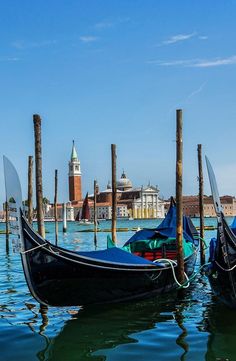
<point>75,187</point>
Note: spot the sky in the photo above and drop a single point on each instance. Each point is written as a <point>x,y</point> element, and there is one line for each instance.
<point>102,72</point>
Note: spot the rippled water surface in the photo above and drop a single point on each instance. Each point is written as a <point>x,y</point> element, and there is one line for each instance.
<point>189,326</point>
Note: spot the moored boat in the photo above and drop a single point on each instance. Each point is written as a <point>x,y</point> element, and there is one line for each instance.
<point>59,277</point>
<point>221,270</point>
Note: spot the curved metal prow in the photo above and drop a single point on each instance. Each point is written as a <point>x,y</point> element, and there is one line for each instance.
<point>12,183</point>
<point>214,188</point>
<point>14,199</point>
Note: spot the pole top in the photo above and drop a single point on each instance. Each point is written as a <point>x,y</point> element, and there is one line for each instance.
<point>36,118</point>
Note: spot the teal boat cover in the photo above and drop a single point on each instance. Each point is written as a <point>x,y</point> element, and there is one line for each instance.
<point>167,229</point>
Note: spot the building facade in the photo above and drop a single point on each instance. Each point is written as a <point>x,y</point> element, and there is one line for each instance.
<point>191,206</point>
<point>142,202</point>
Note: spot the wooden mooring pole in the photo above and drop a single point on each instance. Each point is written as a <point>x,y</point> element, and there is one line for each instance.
<point>201,203</point>
<point>38,174</point>
<point>114,193</point>
<point>64,218</point>
<point>55,208</point>
<point>179,198</point>
<point>95,211</point>
<point>30,190</point>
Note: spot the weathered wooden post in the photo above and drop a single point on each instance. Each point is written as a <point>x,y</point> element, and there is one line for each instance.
<point>64,218</point>
<point>95,211</point>
<point>38,174</point>
<point>30,189</point>
<point>114,194</point>
<point>7,226</point>
<point>55,208</point>
<point>179,198</point>
<point>201,203</point>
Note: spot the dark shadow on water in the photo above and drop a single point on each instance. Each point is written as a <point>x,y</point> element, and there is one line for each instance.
<point>220,322</point>
<point>105,327</point>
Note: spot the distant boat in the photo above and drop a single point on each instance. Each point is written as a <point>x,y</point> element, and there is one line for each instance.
<point>84,218</point>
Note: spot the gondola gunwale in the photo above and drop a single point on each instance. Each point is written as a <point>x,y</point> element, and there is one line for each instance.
<point>153,270</point>
<point>153,266</point>
<point>94,263</point>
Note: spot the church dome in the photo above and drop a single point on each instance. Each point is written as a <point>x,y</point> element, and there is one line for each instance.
<point>124,183</point>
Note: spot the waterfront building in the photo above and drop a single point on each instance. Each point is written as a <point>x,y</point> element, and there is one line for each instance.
<point>104,211</point>
<point>142,202</point>
<point>191,206</point>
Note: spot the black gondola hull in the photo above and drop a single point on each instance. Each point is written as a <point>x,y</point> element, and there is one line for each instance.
<point>221,285</point>
<point>222,270</point>
<point>57,277</point>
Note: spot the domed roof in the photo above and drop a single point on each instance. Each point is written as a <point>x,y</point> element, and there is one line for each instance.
<point>124,183</point>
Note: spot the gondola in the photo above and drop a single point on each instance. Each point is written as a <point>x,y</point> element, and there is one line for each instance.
<point>221,270</point>
<point>59,277</point>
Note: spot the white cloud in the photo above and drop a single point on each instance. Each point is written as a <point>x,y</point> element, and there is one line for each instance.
<point>197,91</point>
<point>177,38</point>
<point>104,25</point>
<point>196,63</point>
<point>203,37</point>
<point>88,38</point>
<point>216,62</point>
<point>21,44</point>
<point>109,24</point>
<point>8,58</point>
<point>170,63</point>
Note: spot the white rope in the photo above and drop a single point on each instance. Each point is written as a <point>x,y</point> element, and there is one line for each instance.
<point>226,269</point>
<point>32,249</point>
<point>171,263</point>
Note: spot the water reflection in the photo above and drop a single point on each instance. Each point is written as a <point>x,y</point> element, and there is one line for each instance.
<point>106,327</point>
<point>181,339</point>
<point>192,327</point>
<point>219,322</point>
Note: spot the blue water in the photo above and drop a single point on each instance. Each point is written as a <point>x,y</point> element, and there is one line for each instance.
<point>190,326</point>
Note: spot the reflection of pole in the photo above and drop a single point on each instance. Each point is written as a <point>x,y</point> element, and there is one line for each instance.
<point>179,199</point>
<point>43,310</point>
<point>7,226</point>
<point>38,172</point>
<point>114,194</point>
<point>55,208</point>
<point>30,189</point>
<point>201,204</point>
<point>64,218</point>
<point>181,338</point>
<point>95,212</point>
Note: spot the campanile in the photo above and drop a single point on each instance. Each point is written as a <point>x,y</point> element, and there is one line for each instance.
<point>75,186</point>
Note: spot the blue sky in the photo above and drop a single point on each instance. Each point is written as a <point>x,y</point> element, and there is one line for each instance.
<point>103,72</point>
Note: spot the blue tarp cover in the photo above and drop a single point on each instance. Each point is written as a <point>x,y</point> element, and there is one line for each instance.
<point>167,228</point>
<point>233,225</point>
<point>117,255</point>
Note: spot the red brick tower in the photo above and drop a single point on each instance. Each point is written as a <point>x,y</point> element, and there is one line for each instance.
<point>75,186</point>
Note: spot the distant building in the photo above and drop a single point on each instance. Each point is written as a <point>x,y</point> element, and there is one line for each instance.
<point>142,202</point>
<point>75,184</point>
<point>191,206</point>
